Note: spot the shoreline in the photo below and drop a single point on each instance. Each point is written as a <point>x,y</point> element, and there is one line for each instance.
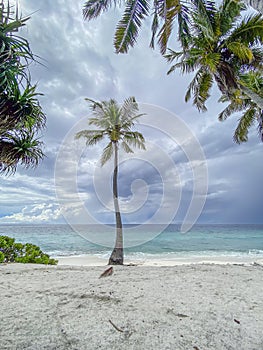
<point>91,260</point>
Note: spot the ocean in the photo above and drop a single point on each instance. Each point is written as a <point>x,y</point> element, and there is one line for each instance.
<point>201,241</point>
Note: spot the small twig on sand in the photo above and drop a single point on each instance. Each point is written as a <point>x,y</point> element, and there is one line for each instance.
<point>117,328</point>
<point>125,332</point>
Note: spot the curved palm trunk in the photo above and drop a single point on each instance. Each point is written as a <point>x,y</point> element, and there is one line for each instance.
<point>252,95</point>
<point>116,257</point>
<point>256,4</point>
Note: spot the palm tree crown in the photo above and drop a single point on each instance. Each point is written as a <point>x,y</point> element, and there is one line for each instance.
<point>116,124</point>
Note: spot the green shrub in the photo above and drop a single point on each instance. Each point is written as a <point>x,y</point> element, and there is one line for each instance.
<point>22,253</point>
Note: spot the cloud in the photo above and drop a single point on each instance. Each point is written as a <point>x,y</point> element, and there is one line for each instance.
<point>41,213</point>
<point>79,61</point>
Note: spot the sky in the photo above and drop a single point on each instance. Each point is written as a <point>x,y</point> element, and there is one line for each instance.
<point>191,171</point>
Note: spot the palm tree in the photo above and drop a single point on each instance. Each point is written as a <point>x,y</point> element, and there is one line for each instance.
<point>220,49</point>
<point>114,123</point>
<point>163,13</point>
<point>21,116</point>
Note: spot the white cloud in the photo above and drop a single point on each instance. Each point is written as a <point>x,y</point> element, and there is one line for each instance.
<point>41,213</point>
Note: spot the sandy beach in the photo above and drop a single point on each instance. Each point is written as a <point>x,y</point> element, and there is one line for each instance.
<point>92,260</point>
<point>197,306</point>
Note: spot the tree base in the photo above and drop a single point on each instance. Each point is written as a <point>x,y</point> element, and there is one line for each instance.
<point>116,257</point>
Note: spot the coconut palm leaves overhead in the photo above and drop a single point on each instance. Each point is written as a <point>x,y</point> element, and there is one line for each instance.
<point>219,50</point>
<point>21,116</point>
<point>163,13</point>
<point>223,48</point>
<point>165,16</point>
<point>116,124</point>
<point>218,44</point>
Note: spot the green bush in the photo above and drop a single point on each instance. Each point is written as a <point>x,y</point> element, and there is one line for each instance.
<point>22,253</point>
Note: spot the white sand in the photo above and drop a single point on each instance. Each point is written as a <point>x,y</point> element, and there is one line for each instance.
<point>91,260</point>
<point>205,307</point>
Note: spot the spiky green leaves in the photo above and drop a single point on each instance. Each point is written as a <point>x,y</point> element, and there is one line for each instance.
<point>93,8</point>
<point>245,122</point>
<point>220,49</point>
<point>230,12</point>
<point>128,27</point>
<point>167,13</point>
<point>249,31</point>
<point>199,88</point>
<point>164,14</point>
<point>115,123</point>
<point>242,102</point>
<point>21,148</point>
<point>21,116</point>
<point>107,153</point>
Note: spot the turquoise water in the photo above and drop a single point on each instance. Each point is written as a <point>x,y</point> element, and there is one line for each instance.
<point>202,240</point>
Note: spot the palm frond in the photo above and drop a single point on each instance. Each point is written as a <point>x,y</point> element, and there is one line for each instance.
<point>92,136</point>
<point>128,123</point>
<point>129,108</point>
<point>184,31</point>
<point>128,27</point>
<point>93,8</point>
<point>173,55</point>
<point>126,147</point>
<point>93,104</point>
<point>257,62</point>
<point>200,87</point>
<point>229,12</point>
<point>134,138</point>
<point>211,60</point>
<point>168,11</point>
<point>106,154</point>
<point>203,17</point>
<point>189,61</point>
<point>245,122</point>
<point>236,105</point>
<point>249,31</point>
<point>242,51</point>
<point>155,22</point>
